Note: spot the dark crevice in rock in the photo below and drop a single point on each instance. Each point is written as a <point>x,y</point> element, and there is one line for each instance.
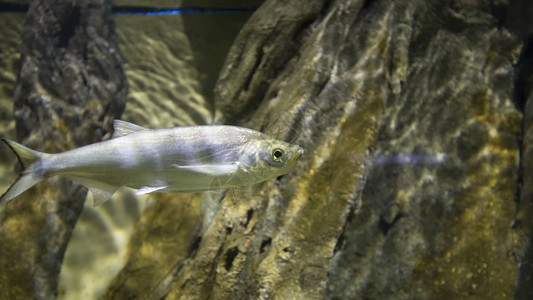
<point>194,246</point>
<point>339,245</point>
<point>265,244</point>
<point>523,87</point>
<point>231,254</point>
<point>340,241</point>
<point>185,283</point>
<point>499,11</point>
<point>229,230</point>
<point>368,3</point>
<point>385,226</point>
<point>258,61</point>
<point>249,215</point>
<point>301,32</point>
<point>524,75</point>
<point>328,4</point>
<point>70,23</point>
<point>523,96</point>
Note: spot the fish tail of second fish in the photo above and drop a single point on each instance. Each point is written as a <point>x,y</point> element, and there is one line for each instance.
<point>29,177</point>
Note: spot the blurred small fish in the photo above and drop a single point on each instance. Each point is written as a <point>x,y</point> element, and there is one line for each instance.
<point>417,159</point>
<point>173,160</point>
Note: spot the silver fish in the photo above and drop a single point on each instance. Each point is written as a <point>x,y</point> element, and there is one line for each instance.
<point>173,160</point>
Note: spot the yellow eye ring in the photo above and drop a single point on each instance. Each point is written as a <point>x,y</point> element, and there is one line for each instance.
<point>277,154</point>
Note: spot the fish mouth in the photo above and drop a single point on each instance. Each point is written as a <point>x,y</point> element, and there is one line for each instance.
<point>299,152</point>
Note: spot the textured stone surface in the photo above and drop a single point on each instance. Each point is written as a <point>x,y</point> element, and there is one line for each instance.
<point>158,245</point>
<point>439,201</point>
<point>71,86</point>
<point>408,187</point>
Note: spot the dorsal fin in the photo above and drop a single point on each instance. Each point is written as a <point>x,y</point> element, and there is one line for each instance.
<point>123,128</point>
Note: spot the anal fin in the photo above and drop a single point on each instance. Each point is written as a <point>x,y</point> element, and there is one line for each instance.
<point>100,196</point>
<point>101,191</point>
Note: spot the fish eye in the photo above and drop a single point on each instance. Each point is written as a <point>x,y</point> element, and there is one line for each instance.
<point>276,154</point>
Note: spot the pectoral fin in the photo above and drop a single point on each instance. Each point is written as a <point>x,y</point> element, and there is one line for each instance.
<point>101,191</point>
<point>101,196</point>
<point>149,189</point>
<point>213,170</point>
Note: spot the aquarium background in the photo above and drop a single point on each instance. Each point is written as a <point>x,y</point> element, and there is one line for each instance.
<point>414,117</point>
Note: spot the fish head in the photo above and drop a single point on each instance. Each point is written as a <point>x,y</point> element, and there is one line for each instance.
<point>273,158</point>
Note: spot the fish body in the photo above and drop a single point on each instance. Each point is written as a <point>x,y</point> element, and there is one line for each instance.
<point>174,160</point>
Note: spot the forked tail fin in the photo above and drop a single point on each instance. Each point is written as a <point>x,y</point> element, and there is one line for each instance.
<point>29,178</point>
